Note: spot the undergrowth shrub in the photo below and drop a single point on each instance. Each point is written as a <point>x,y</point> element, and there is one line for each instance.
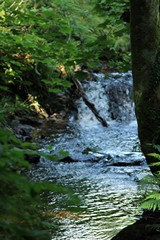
<point>152,186</point>
<point>23,208</point>
<point>10,107</point>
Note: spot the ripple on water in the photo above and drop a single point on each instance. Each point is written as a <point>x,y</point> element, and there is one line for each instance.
<point>108,194</point>
<point>109,199</point>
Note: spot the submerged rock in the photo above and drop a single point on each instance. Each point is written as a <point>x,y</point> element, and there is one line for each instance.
<point>126,159</point>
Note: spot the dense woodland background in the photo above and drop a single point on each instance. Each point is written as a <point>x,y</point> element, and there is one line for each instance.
<point>44,46</point>
<point>43,43</point>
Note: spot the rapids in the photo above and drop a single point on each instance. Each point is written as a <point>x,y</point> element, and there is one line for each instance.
<point>107,163</point>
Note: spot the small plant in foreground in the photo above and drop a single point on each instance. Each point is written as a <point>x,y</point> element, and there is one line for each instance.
<point>23,207</point>
<point>152,200</point>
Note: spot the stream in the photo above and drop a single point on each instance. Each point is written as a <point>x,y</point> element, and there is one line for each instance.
<point>104,165</point>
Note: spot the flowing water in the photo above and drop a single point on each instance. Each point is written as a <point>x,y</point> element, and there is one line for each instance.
<point>105,164</point>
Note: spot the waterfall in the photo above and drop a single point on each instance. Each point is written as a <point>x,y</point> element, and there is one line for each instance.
<point>112,97</point>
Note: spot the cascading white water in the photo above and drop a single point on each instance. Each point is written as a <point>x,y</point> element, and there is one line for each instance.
<point>106,166</point>
<point>112,97</point>
<point>96,94</point>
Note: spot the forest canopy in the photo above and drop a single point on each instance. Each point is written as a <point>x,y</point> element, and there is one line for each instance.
<point>39,40</point>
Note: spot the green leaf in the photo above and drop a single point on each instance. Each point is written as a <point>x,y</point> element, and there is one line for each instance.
<point>55,90</point>
<point>3,88</point>
<point>63,152</point>
<point>157,147</point>
<point>66,84</point>
<point>81,75</point>
<point>47,12</point>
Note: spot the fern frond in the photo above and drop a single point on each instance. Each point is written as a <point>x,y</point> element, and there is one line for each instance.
<point>151,204</point>
<point>157,147</point>
<point>155,155</point>
<point>152,201</point>
<point>155,196</point>
<point>155,226</point>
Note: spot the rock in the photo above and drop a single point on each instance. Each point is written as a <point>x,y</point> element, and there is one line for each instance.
<point>32,158</point>
<point>119,91</point>
<point>123,163</point>
<point>125,159</point>
<point>143,229</point>
<point>30,120</point>
<point>23,132</point>
<point>67,159</point>
<point>24,126</point>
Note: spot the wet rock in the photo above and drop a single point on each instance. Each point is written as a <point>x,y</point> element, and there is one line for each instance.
<point>126,159</point>
<point>119,90</point>
<point>121,164</point>
<point>31,120</point>
<point>24,126</point>
<point>143,229</point>
<point>22,131</point>
<point>32,158</point>
<point>67,159</point>
<point>89,150</point>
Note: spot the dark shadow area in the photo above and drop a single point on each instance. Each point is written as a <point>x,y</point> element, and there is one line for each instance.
<point>145,228</point>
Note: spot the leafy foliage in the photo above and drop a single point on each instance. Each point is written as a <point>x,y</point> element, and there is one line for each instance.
<point>115,29</point>
<point>152,201</point>
<point>39,39</point>
<point>9,107</point>
<point>22,208</point>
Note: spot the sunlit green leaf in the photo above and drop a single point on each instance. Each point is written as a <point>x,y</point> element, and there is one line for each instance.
<point>55,90</point>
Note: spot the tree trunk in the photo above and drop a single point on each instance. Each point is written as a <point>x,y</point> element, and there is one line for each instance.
<point>146,72</point>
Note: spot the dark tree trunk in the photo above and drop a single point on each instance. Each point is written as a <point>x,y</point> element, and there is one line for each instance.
<point>146,72</point>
